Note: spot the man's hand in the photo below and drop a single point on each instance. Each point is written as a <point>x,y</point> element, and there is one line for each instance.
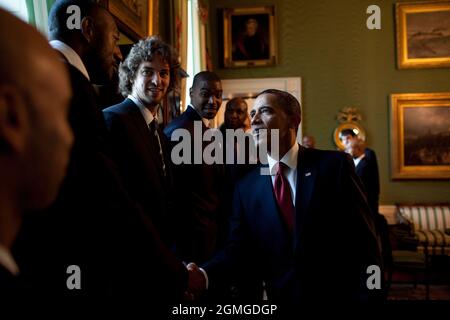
<point>197,282</point>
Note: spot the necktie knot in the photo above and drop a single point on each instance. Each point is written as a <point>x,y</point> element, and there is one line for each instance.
<point>282,167</point>
<point>153,125</point>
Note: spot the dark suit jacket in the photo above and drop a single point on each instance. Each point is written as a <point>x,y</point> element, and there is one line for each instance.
<point>7,282</point>
<point>137,156</point>
<point>95,225</point>
<point>202,185</point>
<point>334,241</point>
<point>367,170</point>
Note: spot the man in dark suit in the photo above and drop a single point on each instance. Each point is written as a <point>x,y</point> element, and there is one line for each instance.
<point>367,170</point>
<point>305,229</point>
<point>237,155</point>
<point>94,225</point>
<point>201,184</point>
<point>348,135</point>
<point>139,146</point>
<point>35,136</point>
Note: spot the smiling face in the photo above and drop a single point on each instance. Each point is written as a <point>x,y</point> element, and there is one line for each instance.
<point>151,81</point>
<point>206,98</point>
<point>269,115</point>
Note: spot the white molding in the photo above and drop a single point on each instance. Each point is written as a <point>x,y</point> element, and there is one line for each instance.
<point>251,87</point>
<point>41,16</point>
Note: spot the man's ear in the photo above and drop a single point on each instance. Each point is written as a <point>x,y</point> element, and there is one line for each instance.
<point>294,121</point>
<point>14,120</point>
<point>88,29</point>
<point>190,92</point>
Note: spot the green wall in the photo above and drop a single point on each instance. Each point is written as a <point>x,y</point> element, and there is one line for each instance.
<point>342,64</point>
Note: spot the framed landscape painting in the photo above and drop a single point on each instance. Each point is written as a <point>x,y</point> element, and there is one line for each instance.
<point>420,136</point>
<point>423,34</point>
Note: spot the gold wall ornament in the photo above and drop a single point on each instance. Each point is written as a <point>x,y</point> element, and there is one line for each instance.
<point>348,118</point>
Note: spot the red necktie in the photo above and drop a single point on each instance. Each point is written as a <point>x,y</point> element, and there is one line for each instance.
<point>284,197</point>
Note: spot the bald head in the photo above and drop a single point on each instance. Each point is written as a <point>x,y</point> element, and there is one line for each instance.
<point>27,57</point>
<point>34,131</point>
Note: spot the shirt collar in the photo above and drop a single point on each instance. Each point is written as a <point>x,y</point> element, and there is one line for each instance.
<point>7,261</point>
<point>71,56</point>
<point>148,116</point>
<point>205,121</point>
<point>357,160</point>
<point>290,159</point>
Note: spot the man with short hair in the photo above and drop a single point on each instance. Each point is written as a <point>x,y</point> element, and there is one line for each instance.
<point>91,48</point>
<point>236,117</point>
<point>139,145</point>
<point>305,229</point>
<point>309,141</point>
<point>366,172</point>
<point>201,185</point>
<point>370,165</point>
<point>235,114</point>
<point>238,163</point>
<point>35,136</point>
<point>94,224</point>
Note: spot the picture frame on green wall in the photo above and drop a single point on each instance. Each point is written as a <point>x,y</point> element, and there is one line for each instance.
<point>423,34</point>
<point>249,37</point>
<point>420,135</point>
<point>135,18</point>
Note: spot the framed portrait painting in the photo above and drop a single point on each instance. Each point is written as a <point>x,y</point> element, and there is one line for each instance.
<point>420,136</point>
<point>136,17</point>
<point>423,34</point>
<point>249,37</point>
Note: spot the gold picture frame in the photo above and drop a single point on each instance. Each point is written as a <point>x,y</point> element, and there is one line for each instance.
<point>137,18</point>
<point>355,127</point>
<point>420,135</point>
<point>423,34</point>
<point>249,37</point>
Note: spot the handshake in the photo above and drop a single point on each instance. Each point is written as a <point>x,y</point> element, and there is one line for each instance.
<point>197,282</point>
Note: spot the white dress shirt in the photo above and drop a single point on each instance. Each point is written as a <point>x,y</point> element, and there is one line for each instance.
<point>148,116</point>
<point>71,56</point>
<point>7,261</point>
<point>357,160</point>
<point>289,159</point>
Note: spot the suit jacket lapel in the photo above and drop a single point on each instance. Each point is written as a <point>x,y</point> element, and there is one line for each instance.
<point>306,179</point>
<point>193,115</point>
<point>270,215</point>
<point>141,125</point>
